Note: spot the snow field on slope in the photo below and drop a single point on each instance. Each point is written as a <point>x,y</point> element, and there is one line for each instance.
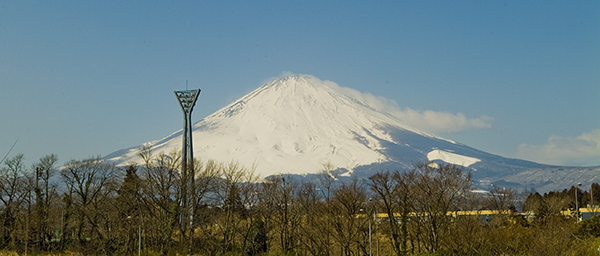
<point>451,158</point>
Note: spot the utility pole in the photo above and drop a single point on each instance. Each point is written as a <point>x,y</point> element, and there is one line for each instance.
<point>577,202</point>
<point>187,101</point>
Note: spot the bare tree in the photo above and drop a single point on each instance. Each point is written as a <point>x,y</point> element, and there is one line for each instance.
<point>236,193</point>
<point>280,191</point>
<point>14,190</point>
<point>439,190</point>
<point>349,218</point>
<point>393,195</point>
<point>501,199</point>
<point>314,214</point>
<point>92,183</point>
<point>160,193</point>
<point>44,193</point>
<point>206,180</point>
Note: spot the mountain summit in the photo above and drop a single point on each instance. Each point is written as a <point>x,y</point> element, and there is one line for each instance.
<point>297,124</point>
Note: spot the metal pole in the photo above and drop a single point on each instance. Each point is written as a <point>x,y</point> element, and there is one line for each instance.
<point>577,202</point>
<point>187,101</point>
<point>139,238</point>
<point>576,206</point>
<point>370,240</point>
<point>376,220</point>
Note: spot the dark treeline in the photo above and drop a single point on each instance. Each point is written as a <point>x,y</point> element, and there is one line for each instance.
<point>93,207</point>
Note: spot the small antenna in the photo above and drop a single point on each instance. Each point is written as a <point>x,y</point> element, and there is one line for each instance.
<point>186,85</point>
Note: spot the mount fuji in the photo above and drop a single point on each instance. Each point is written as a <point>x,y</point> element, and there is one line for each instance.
<point>297,124</point>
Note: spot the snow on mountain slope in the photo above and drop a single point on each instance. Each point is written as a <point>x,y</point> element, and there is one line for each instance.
<point>293,125</point>
<point>451,158</point>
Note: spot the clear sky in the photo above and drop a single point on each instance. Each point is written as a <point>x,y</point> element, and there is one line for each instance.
<point>515,78</point>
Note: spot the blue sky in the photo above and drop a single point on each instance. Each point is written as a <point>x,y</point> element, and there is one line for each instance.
<point>515,78</point>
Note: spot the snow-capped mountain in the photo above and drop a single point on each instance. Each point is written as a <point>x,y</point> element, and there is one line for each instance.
<point>291,125</point>
<point>296,124</point>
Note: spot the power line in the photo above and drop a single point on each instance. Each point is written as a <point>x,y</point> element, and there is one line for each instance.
<point>11,148</point>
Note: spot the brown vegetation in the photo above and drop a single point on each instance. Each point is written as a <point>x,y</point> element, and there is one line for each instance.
<point>91,207</point>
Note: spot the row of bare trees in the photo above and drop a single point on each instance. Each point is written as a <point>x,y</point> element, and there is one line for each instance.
<point>91,206</point>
